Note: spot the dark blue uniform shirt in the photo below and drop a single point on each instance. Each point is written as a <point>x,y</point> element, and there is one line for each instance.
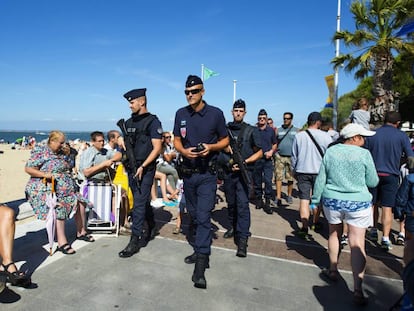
<point>268,138</point>
<point>205,126</point>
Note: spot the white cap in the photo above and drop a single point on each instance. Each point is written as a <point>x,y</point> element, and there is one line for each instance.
<point>354,129</point>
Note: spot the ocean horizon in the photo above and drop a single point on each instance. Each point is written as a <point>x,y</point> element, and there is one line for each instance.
<point>10,136</point>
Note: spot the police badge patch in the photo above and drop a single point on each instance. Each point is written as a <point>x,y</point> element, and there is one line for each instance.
<point>159,130</point>
<point>183,129</point>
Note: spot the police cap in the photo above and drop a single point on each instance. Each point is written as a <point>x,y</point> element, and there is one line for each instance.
<point>134,94</point>
<point>193,80</point>
<point>262,112</point>
<point>239,104</point>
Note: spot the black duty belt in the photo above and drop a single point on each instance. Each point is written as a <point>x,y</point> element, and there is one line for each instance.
<point>194,170</point>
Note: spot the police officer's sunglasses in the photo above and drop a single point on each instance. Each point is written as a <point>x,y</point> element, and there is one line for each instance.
<point>195,91</point>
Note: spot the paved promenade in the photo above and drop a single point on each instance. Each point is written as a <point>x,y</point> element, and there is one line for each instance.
<point>281,272</point>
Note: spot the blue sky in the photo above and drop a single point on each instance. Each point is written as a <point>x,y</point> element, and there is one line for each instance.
<point>66,64</point>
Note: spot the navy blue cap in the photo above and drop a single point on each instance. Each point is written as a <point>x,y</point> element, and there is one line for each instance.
<point>239,104</point>
<point>193,80</point>
<point>262,112</point>
<point>134,94</point>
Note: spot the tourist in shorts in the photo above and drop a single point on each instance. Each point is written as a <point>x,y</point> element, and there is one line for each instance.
<point>346,172</point>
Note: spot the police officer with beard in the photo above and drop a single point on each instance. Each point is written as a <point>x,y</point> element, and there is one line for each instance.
<point>146,132</point>
<point>199,134</point>
<point>248,141</point>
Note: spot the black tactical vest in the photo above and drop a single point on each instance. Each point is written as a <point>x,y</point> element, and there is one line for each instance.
<point>138,127</point>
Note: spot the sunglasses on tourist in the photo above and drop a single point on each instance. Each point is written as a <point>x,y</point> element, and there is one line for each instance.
<point>192,92</point>
<point>261,118</point>
<point>287,118</point>
<point>167,137</point>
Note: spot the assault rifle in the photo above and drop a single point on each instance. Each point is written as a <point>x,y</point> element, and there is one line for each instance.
<point>236,158</point>
<point>129,161</point>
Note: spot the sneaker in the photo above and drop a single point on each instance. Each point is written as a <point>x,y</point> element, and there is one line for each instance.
<point>344,240</point>
<point>279,203</point>
<point>372,235</point>
<point>386,245</point>
<point>303,234</point>
<point>400,239</point>
<point>317,226</point>
<point>289,200</point>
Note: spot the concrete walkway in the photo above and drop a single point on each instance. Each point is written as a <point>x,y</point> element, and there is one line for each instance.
<point>281,272</point>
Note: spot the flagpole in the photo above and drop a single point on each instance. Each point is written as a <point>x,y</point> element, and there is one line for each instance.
<point>234,90</point>
<point>336,76</point>
<point>202,72</point>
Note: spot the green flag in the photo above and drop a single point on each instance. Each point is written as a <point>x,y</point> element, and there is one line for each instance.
<point>207,73</point>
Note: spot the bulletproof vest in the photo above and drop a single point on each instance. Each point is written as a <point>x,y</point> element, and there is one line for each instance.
<point>138,128</point>
<point>243,136</point>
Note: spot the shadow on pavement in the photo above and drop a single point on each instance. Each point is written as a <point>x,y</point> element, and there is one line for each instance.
<point>9,296</point>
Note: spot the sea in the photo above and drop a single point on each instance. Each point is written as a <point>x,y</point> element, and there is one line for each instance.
<point>9,137</point>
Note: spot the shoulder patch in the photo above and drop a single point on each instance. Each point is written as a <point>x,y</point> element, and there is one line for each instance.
<point>159,131</point>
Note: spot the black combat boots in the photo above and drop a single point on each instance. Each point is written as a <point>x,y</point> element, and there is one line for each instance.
<point>200,267</point>
<point>267,208</point>
<point>193,258</point>
<point>241,247</point>
<point>132,247</point>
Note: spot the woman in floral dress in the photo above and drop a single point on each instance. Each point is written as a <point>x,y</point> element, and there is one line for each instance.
<point>46,163</point>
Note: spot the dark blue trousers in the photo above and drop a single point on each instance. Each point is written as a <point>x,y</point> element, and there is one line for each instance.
<point>142,209</point>
<point>263,172</point>
<point>237,197</point>
<point>200,195</point>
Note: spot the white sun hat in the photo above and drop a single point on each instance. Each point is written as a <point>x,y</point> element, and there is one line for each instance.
<point>354,129</point>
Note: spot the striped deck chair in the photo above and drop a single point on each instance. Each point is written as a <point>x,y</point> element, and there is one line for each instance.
<point>103,217</point>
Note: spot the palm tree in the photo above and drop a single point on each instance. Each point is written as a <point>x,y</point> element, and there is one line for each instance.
<point>377,23</point>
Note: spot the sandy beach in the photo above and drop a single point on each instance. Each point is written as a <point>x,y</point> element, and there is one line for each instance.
<point>13,178</point>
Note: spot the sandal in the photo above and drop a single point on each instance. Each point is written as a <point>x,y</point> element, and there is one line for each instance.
<point>176,230</point>
<point>331,275</point>
<point>359,298</point>
<point>125,231</point>
<point>85,237</point>
<point>16,278</point>
<point>65,249</point>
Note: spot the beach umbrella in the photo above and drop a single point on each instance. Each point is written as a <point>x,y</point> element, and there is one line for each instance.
<point>51,202</point>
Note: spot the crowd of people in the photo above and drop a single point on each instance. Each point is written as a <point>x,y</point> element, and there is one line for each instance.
<point>347,176</point>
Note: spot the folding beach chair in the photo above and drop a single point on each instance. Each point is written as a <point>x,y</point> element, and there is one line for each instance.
<point>104,216</point>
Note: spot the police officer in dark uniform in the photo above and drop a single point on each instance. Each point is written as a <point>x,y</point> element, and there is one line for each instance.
<point>146,132</point>
<point>236,188</point>
<point>263,171</point>
<point>199,134</point>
